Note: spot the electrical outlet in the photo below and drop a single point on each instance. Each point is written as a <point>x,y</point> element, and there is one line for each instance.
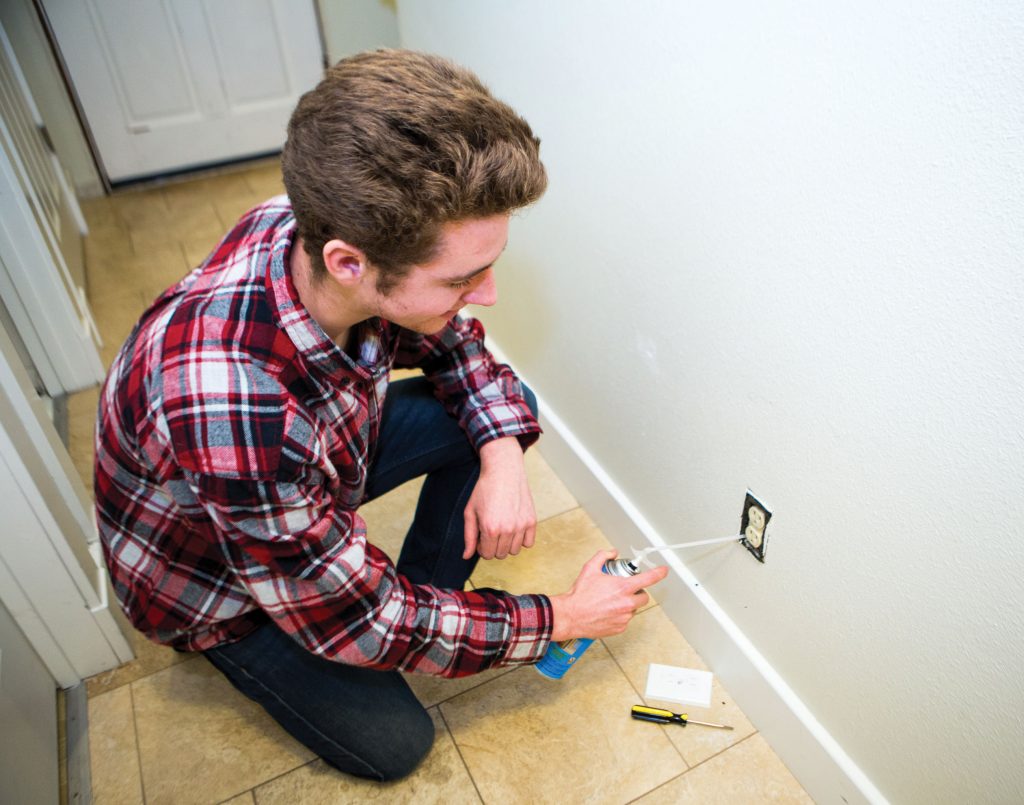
<point>754,526</point>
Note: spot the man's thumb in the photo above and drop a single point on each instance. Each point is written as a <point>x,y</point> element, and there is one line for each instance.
<point>470,533</point>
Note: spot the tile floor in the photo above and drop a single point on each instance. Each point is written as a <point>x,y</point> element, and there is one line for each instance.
<point>166,728</point>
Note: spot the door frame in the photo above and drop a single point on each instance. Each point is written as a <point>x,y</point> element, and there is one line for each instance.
<point>52,577</point>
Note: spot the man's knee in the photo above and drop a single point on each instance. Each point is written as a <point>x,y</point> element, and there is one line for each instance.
<point>407,744</point>
<point>410,750</point>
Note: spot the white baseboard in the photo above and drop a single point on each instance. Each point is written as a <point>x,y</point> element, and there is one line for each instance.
<point>825,771</point>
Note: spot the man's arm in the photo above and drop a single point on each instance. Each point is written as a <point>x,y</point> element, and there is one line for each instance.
<point>487,399</point>
<point>500,519</point>
<point>307,564</point>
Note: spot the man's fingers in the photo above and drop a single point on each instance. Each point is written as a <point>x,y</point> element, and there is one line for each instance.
<point>519,542</point>
<point>470,534</point>
<point>640,600</point>
<point>648,577</point>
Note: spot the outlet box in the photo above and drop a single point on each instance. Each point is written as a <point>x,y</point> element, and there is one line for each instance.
<point>754,526</point>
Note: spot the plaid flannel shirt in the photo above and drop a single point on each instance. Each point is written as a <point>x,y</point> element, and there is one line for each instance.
<point>232,448</point>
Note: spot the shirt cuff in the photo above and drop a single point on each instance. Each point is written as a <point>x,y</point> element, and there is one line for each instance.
<point>499,420</point>
<point>531,621</point>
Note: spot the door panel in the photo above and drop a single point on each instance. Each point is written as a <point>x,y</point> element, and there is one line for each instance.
<point>28,721</point>
<point>168,85</point>
<point>146,62</point>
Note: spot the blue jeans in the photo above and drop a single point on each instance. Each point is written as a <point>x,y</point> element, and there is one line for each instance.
<point>365,722</point>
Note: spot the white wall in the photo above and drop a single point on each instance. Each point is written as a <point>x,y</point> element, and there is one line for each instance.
<point>352,26</point>
<point>782,249</point>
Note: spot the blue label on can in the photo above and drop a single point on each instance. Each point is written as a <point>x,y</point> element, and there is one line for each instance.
<point>560,657</point>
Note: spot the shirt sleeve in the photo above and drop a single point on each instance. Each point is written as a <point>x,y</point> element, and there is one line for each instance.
<point>307,563</point>
<point>485,396</point>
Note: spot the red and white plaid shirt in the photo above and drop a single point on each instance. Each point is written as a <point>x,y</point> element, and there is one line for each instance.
<point>232,449</point>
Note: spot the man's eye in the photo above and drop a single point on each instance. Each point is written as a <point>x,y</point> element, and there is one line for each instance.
<point>461,284</point>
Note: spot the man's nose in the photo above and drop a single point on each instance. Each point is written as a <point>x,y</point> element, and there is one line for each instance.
<point>486,293</point>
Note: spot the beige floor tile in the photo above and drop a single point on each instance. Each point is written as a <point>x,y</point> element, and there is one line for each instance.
<point>529,739</point>
<point>113,755</point>
<point>99,211</point>
<point>191,198</point>
<point>140,208</point>
<point>432,690</point>
<point>112,274</point>
<point>563,546</point>
<point>149,274</point>
<point>82,410</point>
<point>652,637</point>
<point>81,424</point>
<point>115,316</point>
<point>82,458</point>
<point>167,271</point>
<point>388,517</point>
<point>441,777</point>
<point>265,179</point>
<point>108,240</point>
<point>550,496</point>
<point>242,799</point>
<point>196,249</point>
<point>200,740</point>
<point>231,208</point>
<point>267,188</point>
<point>231,183</point>
<point>149,658</point>
<point>748,772</point>
<point>116,313</point>
<point>201,221</point>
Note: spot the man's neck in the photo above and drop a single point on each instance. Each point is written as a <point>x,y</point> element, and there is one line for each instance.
<point>322,298</point>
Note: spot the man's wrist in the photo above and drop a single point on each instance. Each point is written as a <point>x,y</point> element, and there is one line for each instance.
<point>561,621</point>
<point>499,451</point>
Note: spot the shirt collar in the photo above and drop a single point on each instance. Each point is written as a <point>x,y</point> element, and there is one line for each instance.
<point>302,329</point>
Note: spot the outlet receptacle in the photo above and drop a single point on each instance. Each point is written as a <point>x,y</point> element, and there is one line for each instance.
<point>754,526</point>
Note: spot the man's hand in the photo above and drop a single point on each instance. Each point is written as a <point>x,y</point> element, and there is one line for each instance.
<point>599,605</point>
<point>500,519</point>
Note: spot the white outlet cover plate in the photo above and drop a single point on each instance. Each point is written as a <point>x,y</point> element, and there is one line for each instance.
<point>681,685</point>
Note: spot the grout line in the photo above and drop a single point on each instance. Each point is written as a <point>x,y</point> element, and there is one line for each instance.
<point>455,743</point>
<point>249,791</point>
<point>285,773</point>
<point>479,684</point>
<point>138,747</point>
<point>692,768</point>
<point>642,698</point>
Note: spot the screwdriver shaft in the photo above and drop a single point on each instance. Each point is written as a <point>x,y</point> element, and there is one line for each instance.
<point>707,724</point>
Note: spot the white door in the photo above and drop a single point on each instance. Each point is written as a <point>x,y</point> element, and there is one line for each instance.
<point>40,223</point>
<point>172,84</point>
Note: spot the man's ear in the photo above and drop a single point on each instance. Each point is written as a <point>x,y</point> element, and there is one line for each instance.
<point>344,262</point>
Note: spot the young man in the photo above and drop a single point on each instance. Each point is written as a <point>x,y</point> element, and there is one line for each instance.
<point>249,415</point>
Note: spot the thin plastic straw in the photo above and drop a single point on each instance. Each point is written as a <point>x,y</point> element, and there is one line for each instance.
<point>640,557</point>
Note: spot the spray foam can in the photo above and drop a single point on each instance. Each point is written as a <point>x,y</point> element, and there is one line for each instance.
<point>560,657</point>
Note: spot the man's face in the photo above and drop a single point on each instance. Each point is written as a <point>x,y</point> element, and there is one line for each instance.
<point>461,274</point>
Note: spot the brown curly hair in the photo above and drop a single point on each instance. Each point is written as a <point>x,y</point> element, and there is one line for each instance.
<point>393,144</point>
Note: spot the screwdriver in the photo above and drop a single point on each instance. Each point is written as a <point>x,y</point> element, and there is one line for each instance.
<point>659,716</point>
